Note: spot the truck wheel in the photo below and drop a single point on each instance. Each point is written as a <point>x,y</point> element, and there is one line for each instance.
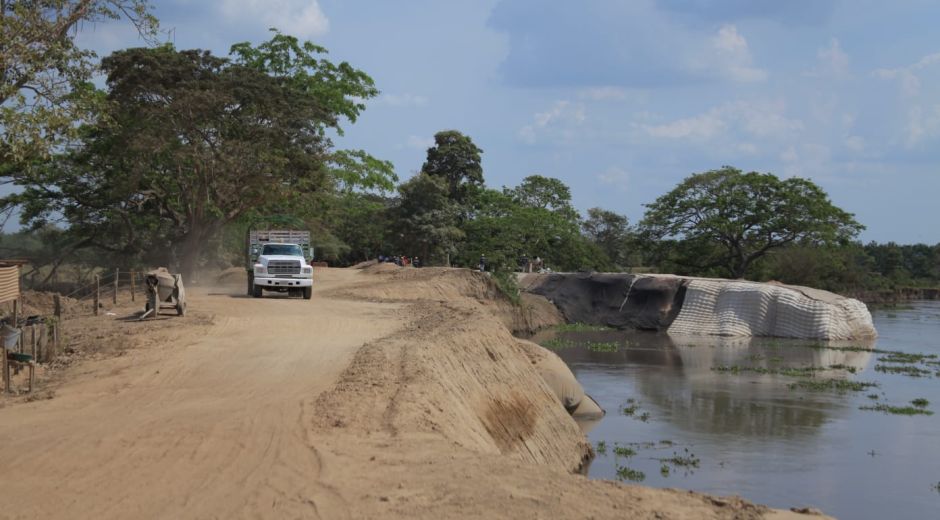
<point>256,291</point>
<point>308,292</point>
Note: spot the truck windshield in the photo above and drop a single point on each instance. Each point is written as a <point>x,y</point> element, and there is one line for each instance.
<point>282,249</point>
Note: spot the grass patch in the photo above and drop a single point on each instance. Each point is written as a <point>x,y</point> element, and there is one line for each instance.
<point>781,371</point>
<point>920,402</point>
<point>839,385</point>
<point>506,283</point>
<point>873,397</point>
<point>580,327</point>
<point>633,475</point>
<point>906,370</point>
<point>903,357</point>
<point>623,451</point>
<point>686,460</point>
<point>602,346</point>
<point>664,470</point>
<point>559,344</point>
<point>896,410</point>
<point>601,448</point>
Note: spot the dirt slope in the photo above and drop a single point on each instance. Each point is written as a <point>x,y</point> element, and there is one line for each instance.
<point>332,408</point>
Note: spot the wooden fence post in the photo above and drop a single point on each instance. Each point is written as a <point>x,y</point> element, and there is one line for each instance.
<point>133,286</point>
<point>97,292</point>
<point>32,341</point>
<point>57,312</point>
<point>117,274</point>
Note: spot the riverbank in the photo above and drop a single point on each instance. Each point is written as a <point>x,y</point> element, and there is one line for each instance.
<point>395,393</point>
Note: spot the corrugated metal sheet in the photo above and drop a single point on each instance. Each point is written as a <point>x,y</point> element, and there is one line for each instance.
<point>9,283</point>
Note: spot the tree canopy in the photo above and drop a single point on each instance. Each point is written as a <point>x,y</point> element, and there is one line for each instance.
<point>456,159</point>
<point>192,141</point>
<point>44,75</point>
<point>729,219</point>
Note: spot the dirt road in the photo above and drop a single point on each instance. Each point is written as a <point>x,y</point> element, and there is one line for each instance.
<point>211,428</point>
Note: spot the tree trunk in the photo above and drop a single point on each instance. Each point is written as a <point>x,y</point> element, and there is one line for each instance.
<point>191,252</point>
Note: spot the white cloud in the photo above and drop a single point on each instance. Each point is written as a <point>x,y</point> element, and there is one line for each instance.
<point>910,81</point>
<point>562,114</point>
<point>922,124</point>
<point>615,177</point>
<point>704,126</point>
<point>402,100</point>
<point>301,18</point>
<point>731,55</point>
<point>419,143</point>
<point>760,120</point>
<point>831,62</point>
<point>854,143</point>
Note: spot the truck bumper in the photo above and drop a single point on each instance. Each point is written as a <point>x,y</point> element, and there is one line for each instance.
<point>283,283</point>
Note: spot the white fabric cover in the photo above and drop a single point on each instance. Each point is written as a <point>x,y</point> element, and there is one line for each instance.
<point>736,308</point>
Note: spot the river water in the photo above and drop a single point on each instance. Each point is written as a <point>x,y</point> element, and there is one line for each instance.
<point>747,430</point>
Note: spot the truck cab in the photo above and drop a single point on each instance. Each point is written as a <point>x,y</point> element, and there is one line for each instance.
<point>278,265</point>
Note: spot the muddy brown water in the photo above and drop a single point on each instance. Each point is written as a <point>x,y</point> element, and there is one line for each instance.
<point>751,434</point>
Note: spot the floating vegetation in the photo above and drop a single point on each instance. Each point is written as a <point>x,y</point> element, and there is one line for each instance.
<point>686,460</point>
<point>903,357</point>
<point>839,385</point>
<point>601,448</point>
<point>602,346</point>
<point>920,402</point>
<point>664,470</point>
<point>666,442</point>
<point>873,397</point>
<point>633,475</point>
<point>936,487</point>
<point>631,407</point>
<point>581,327</point>
<point>623,451</point>
<point>559,344</point>
<point>907,370</point>
<point>897,410</point>
<point>781,371</point>
<point>839,366</point>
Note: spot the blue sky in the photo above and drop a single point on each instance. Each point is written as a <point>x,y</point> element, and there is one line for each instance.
<point>623,99</point>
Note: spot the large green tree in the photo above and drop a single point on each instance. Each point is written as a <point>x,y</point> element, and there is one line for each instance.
<point>610,232</point>
<point>455,159</point>
<point>44,75</point>
<point>426,220</point>
<point>743,216</point>
<point>192,141</point>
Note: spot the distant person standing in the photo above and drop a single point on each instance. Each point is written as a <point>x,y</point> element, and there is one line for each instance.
<point>482,263</point>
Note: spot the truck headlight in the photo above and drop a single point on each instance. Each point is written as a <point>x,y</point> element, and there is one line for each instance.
<point>259,270</point>
<point>308,270</point>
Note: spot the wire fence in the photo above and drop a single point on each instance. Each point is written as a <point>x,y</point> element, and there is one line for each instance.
<point>36,339</point>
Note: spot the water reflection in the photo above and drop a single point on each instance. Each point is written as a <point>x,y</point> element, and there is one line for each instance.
<point>674,379</point>
<point>756,437</point>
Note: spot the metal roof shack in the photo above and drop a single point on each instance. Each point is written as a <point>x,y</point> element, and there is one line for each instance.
<point>10,279</point>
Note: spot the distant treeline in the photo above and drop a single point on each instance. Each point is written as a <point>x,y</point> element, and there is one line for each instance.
<point>180,152</point>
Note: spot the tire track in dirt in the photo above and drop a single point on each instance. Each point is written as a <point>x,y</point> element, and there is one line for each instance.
<point>212,427</point>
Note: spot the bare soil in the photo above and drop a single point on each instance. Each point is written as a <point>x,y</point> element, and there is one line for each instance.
<point>391,394</point>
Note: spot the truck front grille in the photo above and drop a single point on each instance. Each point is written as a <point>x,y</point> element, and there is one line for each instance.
<point>283,267</point>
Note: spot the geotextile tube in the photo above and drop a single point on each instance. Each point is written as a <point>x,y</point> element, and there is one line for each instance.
<point>703,306</point>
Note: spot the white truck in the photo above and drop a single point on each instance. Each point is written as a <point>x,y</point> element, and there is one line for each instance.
<point>279,260</point>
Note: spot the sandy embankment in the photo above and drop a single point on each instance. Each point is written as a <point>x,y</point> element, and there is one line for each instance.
<point>392,394</point>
